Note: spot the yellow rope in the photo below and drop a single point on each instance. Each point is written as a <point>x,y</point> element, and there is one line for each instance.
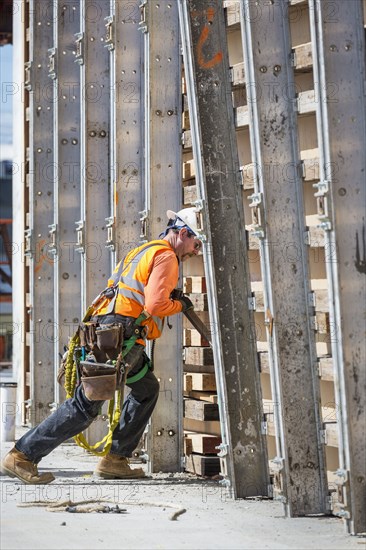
<point>114,407</point>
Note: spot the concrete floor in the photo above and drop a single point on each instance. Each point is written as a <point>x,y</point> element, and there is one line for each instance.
<point>211,521</point>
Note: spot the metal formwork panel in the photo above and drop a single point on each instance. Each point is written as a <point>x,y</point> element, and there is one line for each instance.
<point>65,75</point>
<point>92,233</point>
<point>125,42</point>
<point>37,250</point>
<point>225,253</point>
<point>160,26</point>
<point>338,43</point>
<point>279,222</point>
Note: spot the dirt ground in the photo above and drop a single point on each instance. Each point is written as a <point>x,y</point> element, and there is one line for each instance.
<point>151,514</point>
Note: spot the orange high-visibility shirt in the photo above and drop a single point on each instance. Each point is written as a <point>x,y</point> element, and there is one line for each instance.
<point>145,281</point>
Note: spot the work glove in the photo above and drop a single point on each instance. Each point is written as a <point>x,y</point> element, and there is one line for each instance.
<point>186,303</point>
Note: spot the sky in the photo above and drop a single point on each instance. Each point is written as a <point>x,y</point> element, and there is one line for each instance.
<point>6,138</point>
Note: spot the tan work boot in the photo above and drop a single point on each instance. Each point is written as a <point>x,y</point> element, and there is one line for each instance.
<point>17,464</point>
<point>117,467</point>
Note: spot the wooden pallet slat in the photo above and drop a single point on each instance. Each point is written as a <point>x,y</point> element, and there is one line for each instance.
<point>200,410</point>
<point>201,443</point>
<point>203,465</point>
<point>199,381</point>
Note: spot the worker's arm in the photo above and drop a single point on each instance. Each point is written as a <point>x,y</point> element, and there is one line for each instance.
<point>162,280</point>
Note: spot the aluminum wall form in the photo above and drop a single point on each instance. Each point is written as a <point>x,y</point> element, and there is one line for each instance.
<point>273,126</point>
<point>163,175</point>
<point>20,136</point>
<point>127,145</point>
<point>227,273</point>
<point>93,58</point>
<point>338,42</point>
<point>65,74</point>
<point>41,261</point>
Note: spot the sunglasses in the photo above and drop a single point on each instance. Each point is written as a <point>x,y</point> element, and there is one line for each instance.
<point>197,245</point>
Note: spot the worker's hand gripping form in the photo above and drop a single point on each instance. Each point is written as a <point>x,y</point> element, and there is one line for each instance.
<point>178,294</point>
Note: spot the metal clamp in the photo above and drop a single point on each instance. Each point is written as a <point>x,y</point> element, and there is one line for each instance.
<point>52,247</point>
<point>28,245</point>
<point>143,22</point>
<point>111,223</point>
<point>28,79</point>
<point>79,53</point>
<point>52,61</point>
<point>223,449</point>
<point>80,241</point>
<point>256,228</point>
<point>110,32</point>
<point>143,224</point>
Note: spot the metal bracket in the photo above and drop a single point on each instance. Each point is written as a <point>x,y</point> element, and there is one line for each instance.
<point>199,220</point>
<point>111,225</point>
<point>264,426</point>
<point>143,224</point>
<point>325,223</point>
<point>256,228</point>
<point>28,244</point>
<point>322,187</point>
<point>79,53</point>
<point>52,247</point>
<point>143,22</point>
<point>311,299</point>
<point>52,62</point>
<point>28,78</point>
<point>293,58</point>
<point>80,241</point>
<point>110,32</point>
<point>251,303</point>
<point>276,466</point>
<point>223,450</point>
<point>341,508</point>
<point>323,436</point>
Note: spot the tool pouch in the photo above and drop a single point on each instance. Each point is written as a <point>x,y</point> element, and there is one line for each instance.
<point>99,380</point>
<point>109,337</point>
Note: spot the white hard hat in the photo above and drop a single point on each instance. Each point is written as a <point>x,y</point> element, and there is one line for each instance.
<point>189,217</point>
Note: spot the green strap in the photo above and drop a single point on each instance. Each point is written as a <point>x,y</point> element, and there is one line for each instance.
<point>139,375</point>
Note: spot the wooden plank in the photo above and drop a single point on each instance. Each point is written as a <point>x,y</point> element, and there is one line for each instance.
<point>322,322</point>
<point>188,170</point>
<point>199,356</point>
<point>263,361</point>
<point>199,301</point>
<point>303,56</point>
<point>316,234</point>
<point>189,194</point>
<point>320,295</point>
<point>238,74</point>
<point>201,443</point>
<point>199,381</point>
<point>211,427</point>
<point>200,410</point>
<point>241,116</point>
<point>203,396</point>
<point>306,102</point>
<point>203,465</point>
<point>194,284</point>
<point>191,337</point>
<point>232,14</point>
<point>205,369</point>
<point>187,140</point>
<point>203,315</point>
<point>326,368</point>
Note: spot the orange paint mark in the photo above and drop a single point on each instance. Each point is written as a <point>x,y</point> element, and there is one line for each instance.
<point>217,58</point>
<point>41,257</point>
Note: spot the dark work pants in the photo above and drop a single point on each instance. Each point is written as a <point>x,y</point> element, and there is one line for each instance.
<point>77,413</point>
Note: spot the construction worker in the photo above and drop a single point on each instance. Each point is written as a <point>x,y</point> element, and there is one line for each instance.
<point>146,279</point>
